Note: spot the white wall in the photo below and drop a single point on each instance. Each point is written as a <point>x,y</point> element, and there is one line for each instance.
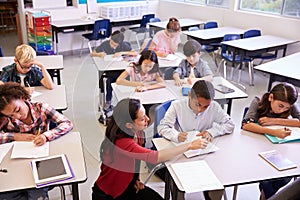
<point>275,25</point>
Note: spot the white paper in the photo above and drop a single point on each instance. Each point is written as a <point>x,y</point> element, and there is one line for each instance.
<point>4,148</point>
<point>23,149</point>
<point>169,57</point>
<point>295,134</point>
<point>191,153</point>
<point>35,94</point>
<point>112,58</point>
<point>196,176</point>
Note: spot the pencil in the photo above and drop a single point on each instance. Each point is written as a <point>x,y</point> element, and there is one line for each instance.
<point>39,131</point>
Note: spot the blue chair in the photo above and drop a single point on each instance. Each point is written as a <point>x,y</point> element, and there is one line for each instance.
<point>264,56</point>
<point>143,26</point>
<point>227,56</point>
<point>159,114</point>
<point>1,52</point>
<point>211,47</point>
<point>153,30</point>
<point>101,30</point>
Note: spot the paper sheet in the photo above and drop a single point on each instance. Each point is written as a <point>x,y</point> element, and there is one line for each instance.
<point>23,149</point>
<point>294,135</point>
<point>196,176</point>
<point>35,94</point>
<point>4,148</point>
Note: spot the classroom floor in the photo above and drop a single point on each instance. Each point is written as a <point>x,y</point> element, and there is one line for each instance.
<point>81,79</point>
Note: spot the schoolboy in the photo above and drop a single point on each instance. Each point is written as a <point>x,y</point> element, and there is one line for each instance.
<point>26,70</point>
<point>200,113</point>
<point>115,45</point>
<point>193,67</point>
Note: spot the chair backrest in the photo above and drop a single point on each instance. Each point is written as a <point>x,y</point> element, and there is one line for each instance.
<point>194,28</point>
<point>229,37</point>
<point>159,114</point>
<point>155,19</point>
<point>1,52</point>
<point>208,25</point>
<point>101,29</point>
<point>146,19</point>
<point>252,33</point>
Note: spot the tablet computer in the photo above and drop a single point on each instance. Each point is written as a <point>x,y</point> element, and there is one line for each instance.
<point>224,89</point>
<point>51,169</point>
<point>277,160</point>
<point>185,91</point>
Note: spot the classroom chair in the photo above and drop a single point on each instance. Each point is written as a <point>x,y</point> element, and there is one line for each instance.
<point>263,56</point>
<point>1,52</point>
<point>159,114</point>
<point>101,30</point>
<point>227,56</point>
<point>143,26</point>
<point>153,30</point>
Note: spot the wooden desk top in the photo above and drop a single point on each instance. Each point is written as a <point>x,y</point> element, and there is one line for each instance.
<point>19,175</point>
<point>287,66</point>
<point>50,62</point>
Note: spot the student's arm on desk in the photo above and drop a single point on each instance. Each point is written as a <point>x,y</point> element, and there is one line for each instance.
<point>98,54</point>
<point>256,128</point>
<point>47,80</point>
<point>127,53</point>
<point>121,80</point>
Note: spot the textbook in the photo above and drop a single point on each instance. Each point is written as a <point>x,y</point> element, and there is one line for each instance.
<point>51,169</point>
<point>294,137</point>
<point>210,148</point>
<point>274,158</point>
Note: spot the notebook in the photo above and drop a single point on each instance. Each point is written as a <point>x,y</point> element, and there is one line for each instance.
<point>210,148</point>
<point>51,169</point>
<point>294,137</point>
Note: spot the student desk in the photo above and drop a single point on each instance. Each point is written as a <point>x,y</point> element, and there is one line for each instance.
<point>213,35</point>
<point>256,45</point>
<point>174,92</point>
<point>53,64</point>
<point>283,70</point>
<point>19,175</point>
<point>57,97</point>
<point>108,67</point>
<point>185,24</point>
<point>236,162</point>
<point>72,25</point>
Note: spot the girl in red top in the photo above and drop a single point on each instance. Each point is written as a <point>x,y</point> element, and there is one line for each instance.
<point>122,150</point>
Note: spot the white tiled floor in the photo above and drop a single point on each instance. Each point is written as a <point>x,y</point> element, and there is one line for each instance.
<point>81,79</point>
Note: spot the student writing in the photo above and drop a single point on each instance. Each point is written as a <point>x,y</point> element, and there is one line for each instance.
<point>22,120</point>
<point>122,150</point>
<point>193,67</point>
<point>116,46</point>
<point>145,70</point>
<point>26,70</point>
<point>166,41</point>
<point>274,108</point>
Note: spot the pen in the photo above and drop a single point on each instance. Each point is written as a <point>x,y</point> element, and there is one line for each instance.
<point>39,131</point>
<point>3,170</point>
<point>27,83</point>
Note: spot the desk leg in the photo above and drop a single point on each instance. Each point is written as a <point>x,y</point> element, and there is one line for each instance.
<point>102,88</point>
<point>229,105</point>
<point>235,188</point>
<point>75,192</point>
<point>167,185</point>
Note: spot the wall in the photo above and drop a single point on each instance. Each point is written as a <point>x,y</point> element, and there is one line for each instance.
<point>275,25</point>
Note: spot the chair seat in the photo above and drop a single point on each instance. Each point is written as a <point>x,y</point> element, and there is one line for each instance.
<point>90,36</point>
<point>209,48</point>
<point>229,58</point>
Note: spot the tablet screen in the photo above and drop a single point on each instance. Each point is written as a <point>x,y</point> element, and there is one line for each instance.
<point>50,168</point>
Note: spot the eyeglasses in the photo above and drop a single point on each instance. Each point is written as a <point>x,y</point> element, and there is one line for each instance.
<point>24,67</point>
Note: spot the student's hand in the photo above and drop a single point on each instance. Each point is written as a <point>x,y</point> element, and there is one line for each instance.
<point>265,121</point>
<point>205,135</point>
<point>283,132</point>
<point>37,63</point>
<point>141,88</point>
<point>178,82</point>
<point>198,143</point>
<point>40,140</point>
<point>23,137</point>
<point>139,186</point>
<point>30,90</point>
<point>182,136</point>
<point>118,54</point>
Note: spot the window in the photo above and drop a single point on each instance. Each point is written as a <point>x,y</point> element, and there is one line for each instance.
<point>279,7</point>
<point>219,3</point>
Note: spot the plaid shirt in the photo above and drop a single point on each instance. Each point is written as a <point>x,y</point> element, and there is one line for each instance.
<point>42,114</point>
<point>33,77</point>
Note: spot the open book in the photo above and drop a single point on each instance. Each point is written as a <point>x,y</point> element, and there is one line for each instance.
<point>191,153</point>
<point>294,137</point>
<point>196,176</point>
